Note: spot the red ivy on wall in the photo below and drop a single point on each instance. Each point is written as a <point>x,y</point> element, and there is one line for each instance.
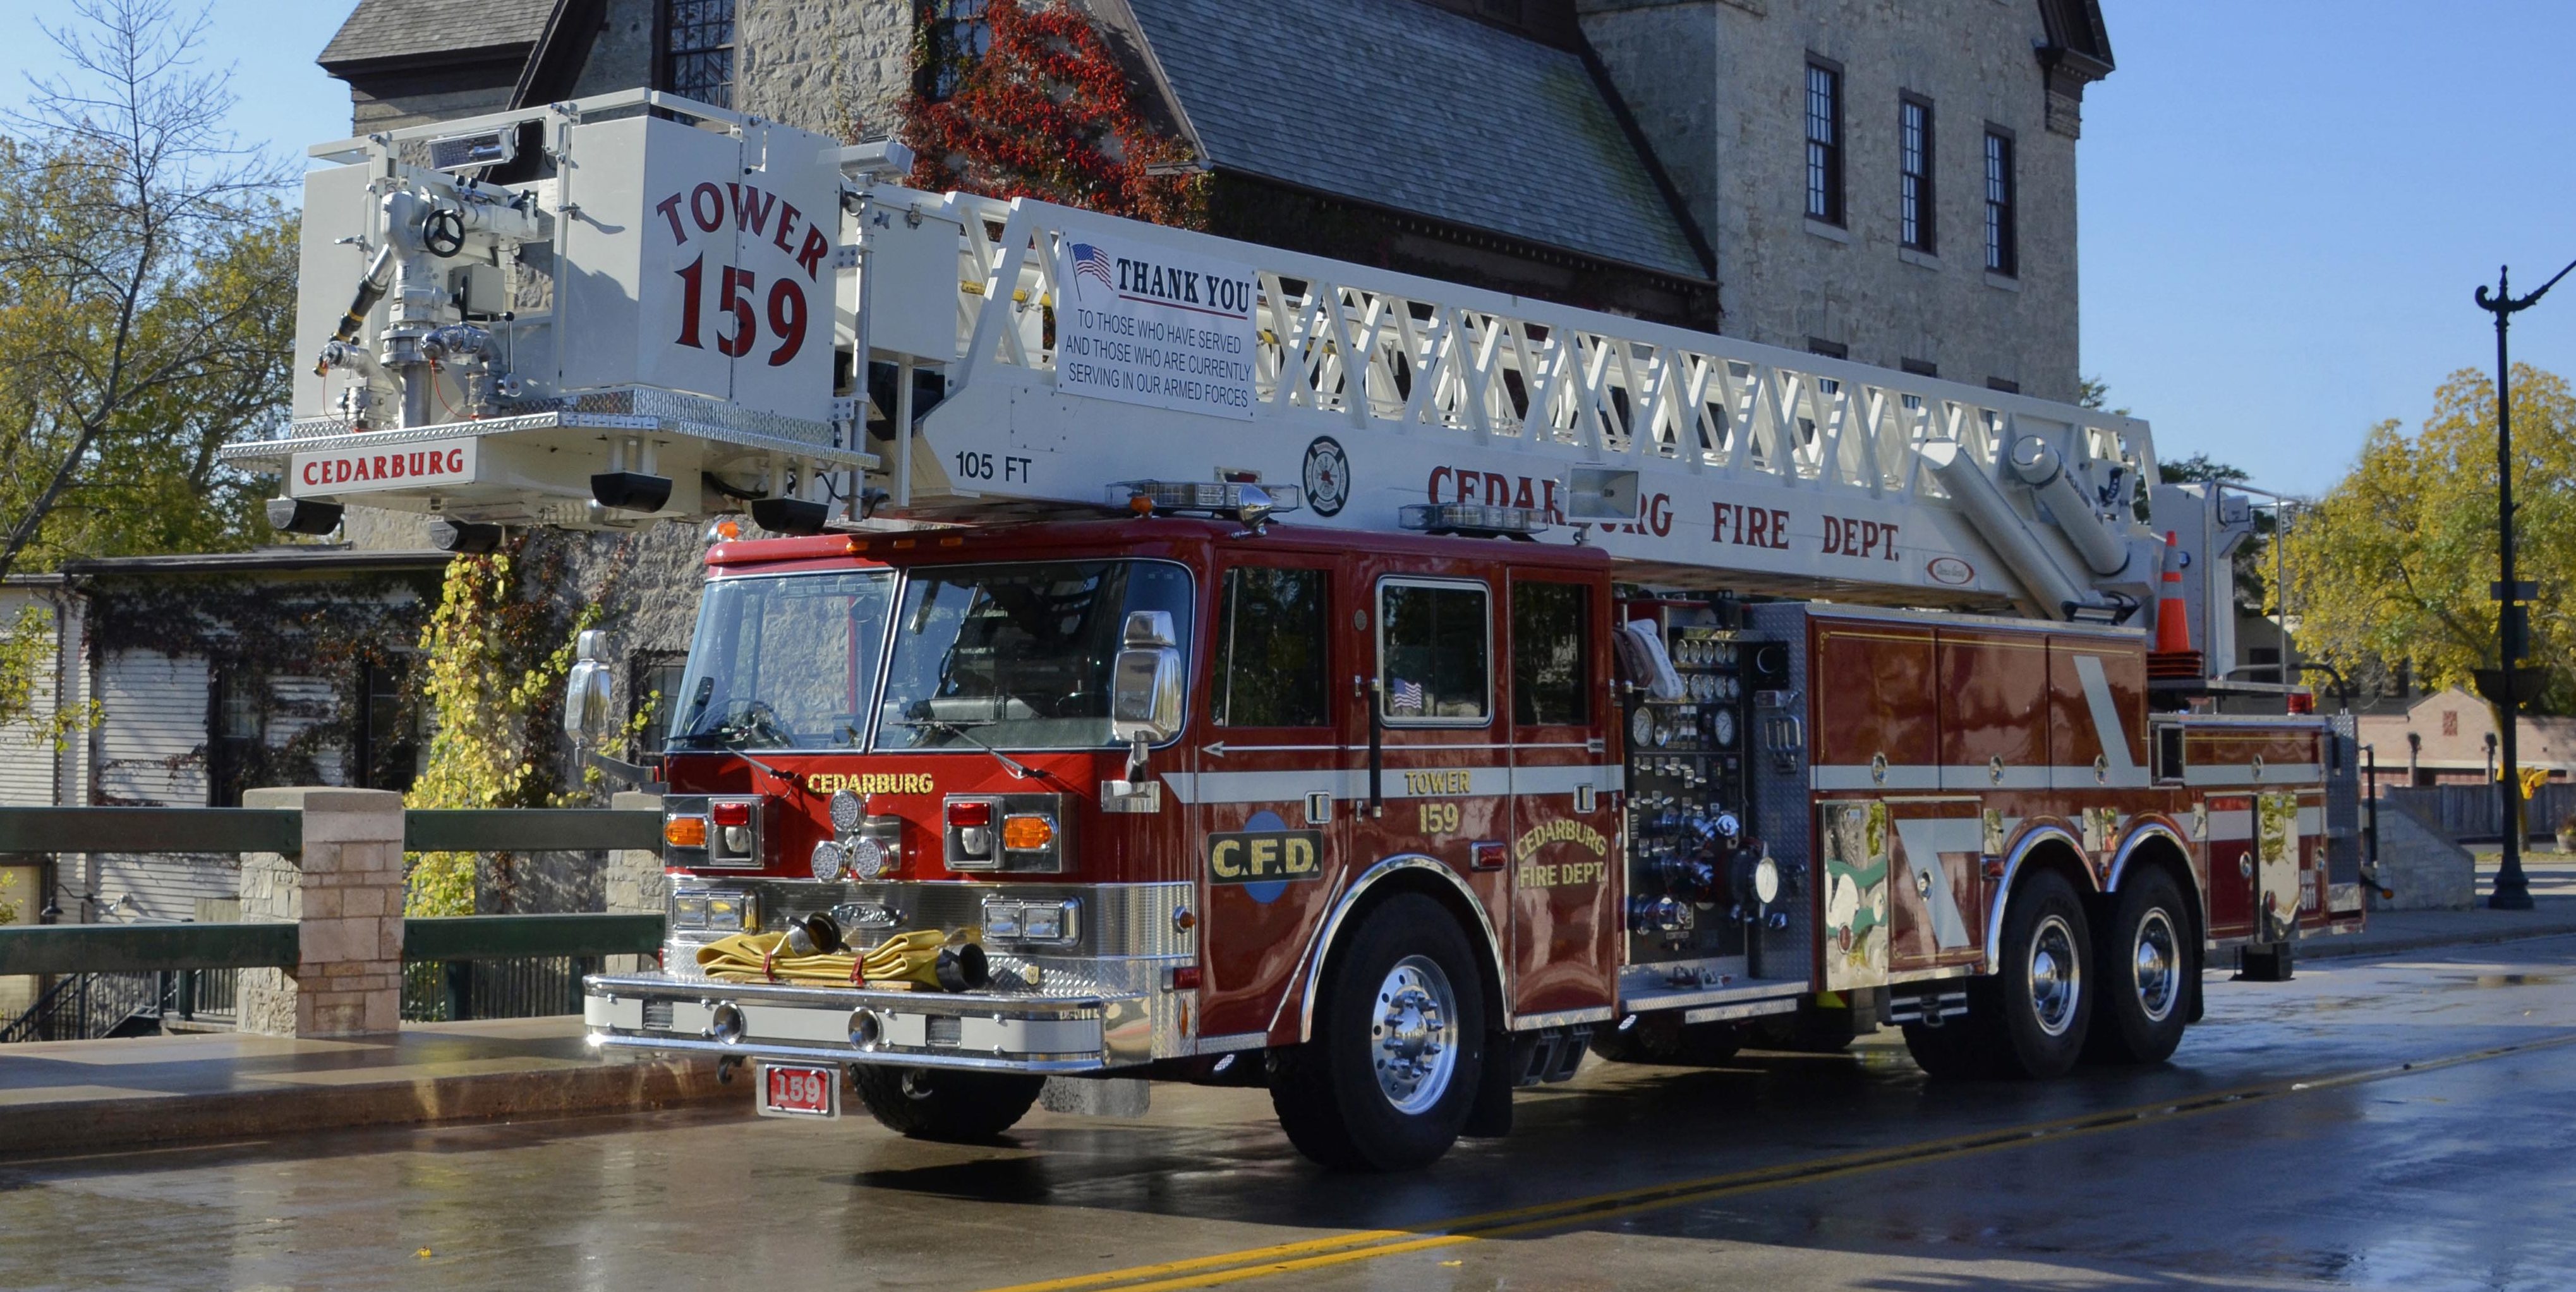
<point>1045,112</point>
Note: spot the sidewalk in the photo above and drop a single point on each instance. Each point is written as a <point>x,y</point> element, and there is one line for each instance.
<point>2552,877</point>
<point>88,1094</point>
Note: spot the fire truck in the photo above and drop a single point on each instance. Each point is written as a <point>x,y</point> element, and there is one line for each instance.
<point>1127,652</point>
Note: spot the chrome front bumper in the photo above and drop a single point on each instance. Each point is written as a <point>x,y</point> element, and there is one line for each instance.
<point>1016,1032</point>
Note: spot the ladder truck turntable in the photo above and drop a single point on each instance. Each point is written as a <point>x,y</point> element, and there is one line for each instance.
<point>1234,665</point>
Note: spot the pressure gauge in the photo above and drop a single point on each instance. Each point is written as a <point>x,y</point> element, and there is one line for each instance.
<point>1641,726</point>
<point>1663,733</point>
<point>1722,728</point>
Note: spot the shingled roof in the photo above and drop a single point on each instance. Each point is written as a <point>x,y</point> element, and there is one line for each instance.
<point>434,32</point>
<point>1420,110</point>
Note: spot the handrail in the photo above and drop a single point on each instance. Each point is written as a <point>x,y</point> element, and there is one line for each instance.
<point>146,948</point>
<point>497,937</point>
<point>529,829</point>
<point>150,829</point>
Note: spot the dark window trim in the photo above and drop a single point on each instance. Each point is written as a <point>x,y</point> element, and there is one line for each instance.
<point>1824,169</point>
<point>2005,384</point>
<point>2002,212</point>
<point>1829,349</point>
<point>1920,367</point>
<point>1924,198</point>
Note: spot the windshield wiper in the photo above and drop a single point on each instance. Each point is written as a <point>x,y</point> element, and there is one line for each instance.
<point>961,733</point>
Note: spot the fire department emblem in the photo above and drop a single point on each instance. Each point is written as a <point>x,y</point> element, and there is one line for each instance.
<point>1327,476</point>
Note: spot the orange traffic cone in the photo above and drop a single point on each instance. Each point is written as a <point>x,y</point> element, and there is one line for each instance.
<point>2173,655</point>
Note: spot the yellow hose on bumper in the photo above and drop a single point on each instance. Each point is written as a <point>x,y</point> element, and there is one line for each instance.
<point>922,958</point>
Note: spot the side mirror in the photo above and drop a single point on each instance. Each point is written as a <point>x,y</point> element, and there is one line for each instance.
<point>587,689</point>
<point>1145,682</point>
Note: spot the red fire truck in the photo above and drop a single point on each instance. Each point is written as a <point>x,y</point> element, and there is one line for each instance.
<point>1248,667</point>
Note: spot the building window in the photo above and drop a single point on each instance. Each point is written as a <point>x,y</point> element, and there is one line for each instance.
<point>653,688</point>
<point>388,748</point>
<point>697,50</point>
<point>1920,368</point>
<point>1824,142</point>
<point>1270,649</point>
<point>233,734</point>
<point>2005,384</point>
<point>1914,171</point>
<point>956,34</point>
<point>2003,256</point>
<point>1829,349</point>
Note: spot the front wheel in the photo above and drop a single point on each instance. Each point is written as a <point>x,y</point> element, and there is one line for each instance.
<point>1391,1073</point>
<point>945,1104</point>
<point>2145,966</point>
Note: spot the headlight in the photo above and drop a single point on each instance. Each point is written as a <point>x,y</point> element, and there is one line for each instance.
<point>689,911</point>
<point>1057,920</point>
<point>1042,923</point>
<point>731,913</point>
<point>827,861</point>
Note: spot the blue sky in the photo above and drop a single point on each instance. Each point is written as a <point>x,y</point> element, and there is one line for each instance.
<point>2285,203</point>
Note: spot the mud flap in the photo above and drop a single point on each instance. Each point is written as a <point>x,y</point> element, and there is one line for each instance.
<point>1491,1117</point>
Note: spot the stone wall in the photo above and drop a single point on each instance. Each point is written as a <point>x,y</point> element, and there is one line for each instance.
<point>830,66</point>
<point>345,891</point>
<point>2419,868</point>
<point>1718,87</point>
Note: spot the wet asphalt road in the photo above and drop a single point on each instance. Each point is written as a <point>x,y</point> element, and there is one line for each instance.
<point>2288,1145</point>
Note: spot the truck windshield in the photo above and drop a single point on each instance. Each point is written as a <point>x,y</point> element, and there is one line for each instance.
<point>1016,656</point>
<point>783,662</point>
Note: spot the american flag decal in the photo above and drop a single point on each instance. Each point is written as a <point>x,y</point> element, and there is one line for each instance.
<point>1090,262</point>
<point>1408,696</point>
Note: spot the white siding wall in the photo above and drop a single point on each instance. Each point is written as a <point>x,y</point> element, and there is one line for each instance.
<point>27,765</point>
<point>151,739</point>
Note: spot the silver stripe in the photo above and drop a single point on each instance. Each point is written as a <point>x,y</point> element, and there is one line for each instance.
<point>1350,784</point>
<point>2278,775</point>
<point>1865,777</point>
<point>1562,1018</point>
<point>1965,778</point>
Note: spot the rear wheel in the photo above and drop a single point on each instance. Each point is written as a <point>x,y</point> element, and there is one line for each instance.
<point>1399,1045</point>
<point>2144,967</point>
<point>945,1104</point>
<point>2044,993</point>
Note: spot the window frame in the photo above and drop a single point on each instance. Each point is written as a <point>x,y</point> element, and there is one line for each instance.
<point>2002,214</point>
<point>937,23</point>
<point>1917,191</point>
<point>1825,171</point>
<point>1377,628</point>
<point>1220,696</point>
<point>1587,655</point>
<point>663,52</point>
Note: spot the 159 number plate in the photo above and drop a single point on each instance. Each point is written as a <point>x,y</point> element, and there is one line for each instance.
<point>799,1090</point>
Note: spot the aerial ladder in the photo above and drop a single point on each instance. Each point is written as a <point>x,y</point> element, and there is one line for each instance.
<point>632,308</point>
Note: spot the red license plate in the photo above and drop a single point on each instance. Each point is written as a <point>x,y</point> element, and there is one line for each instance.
<point>799,1090</point>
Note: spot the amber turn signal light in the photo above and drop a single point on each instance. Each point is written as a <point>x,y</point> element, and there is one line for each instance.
<point>685,831</point>
<point>1027,833</point>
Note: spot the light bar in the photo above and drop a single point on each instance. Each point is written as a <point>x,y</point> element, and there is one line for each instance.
<point>476,150</point>
<point>1471,518</point>
<point>1207,496</point>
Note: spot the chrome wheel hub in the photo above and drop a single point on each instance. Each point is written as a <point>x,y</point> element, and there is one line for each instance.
<point>2056,977</point>
<point>1413,1040</point>
<point>2157,966</point>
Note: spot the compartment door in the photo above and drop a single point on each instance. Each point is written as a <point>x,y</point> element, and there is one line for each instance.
<point>1936,906</point>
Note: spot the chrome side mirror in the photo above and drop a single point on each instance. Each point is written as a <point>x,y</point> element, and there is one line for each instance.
<point>1145,681</point>
<point>587,690</point>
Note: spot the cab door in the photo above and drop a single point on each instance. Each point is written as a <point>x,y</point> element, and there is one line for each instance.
<point>1441,785</point>
<point>1565,884</point>
<point>1273,809</point>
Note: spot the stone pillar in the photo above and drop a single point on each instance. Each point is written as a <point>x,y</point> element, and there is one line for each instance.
<point>633,882</point>
<point>346,892</point>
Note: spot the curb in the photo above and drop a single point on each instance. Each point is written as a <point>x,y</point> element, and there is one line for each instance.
<point>492,1096</point>
<point>2340,949</point>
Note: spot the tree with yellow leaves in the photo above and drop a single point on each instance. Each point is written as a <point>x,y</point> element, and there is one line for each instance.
<point>2396,561</point>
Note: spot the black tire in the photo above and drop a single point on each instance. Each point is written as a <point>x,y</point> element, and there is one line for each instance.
<point>944,1104</point>
<point>1969,1047</point>
<point>2144,963</point>
<point>2044,991</point>
<point>1328,1093</point>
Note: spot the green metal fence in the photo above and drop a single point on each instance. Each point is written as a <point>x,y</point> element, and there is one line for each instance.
<point>456,967</point>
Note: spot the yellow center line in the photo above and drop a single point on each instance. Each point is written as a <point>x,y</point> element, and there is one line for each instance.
<point>1317,1253</point>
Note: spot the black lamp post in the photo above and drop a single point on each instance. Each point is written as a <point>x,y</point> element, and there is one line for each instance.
<point>2512,890</point>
